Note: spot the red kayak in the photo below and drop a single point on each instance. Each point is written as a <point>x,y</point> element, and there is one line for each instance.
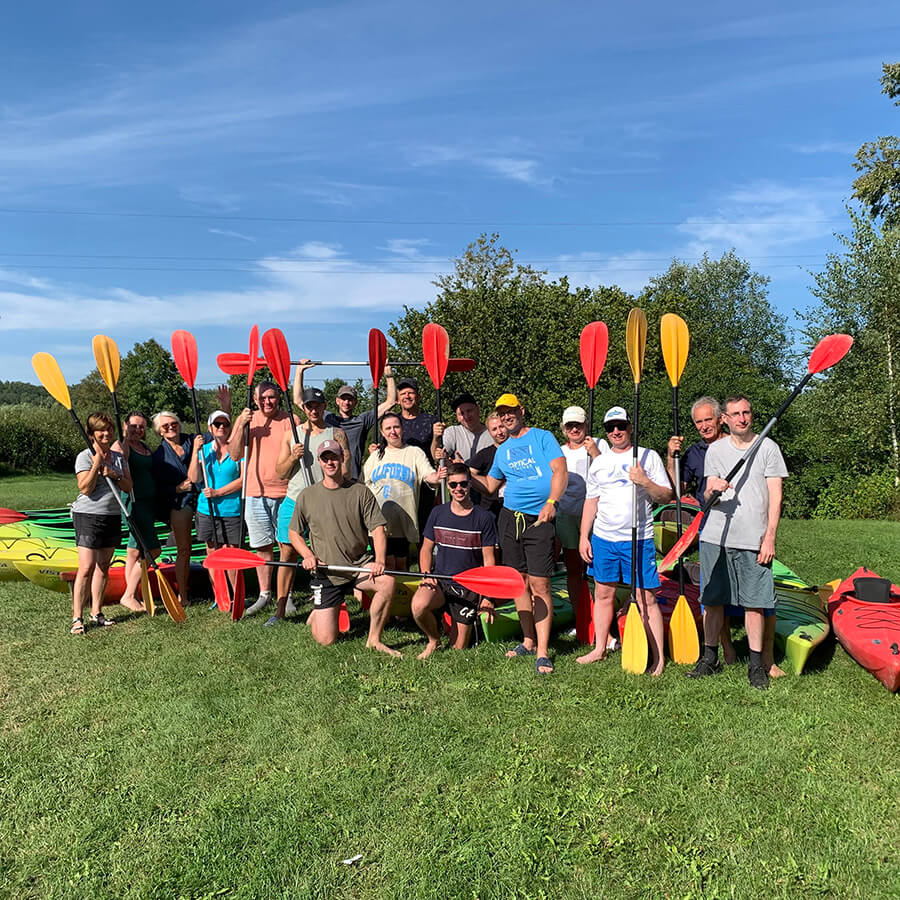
<point>869,631</point>
<point>666,598</point>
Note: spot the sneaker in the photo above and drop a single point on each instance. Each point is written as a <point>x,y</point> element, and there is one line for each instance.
<point>612,645</point>
<point>272,620</point>
<point>703,668</point>
<point>213,605</point>
<point>289,608</point>
<point>759,677</point>
<point>264,600</point>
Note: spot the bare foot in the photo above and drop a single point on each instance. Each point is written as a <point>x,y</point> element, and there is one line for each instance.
<point>657,670</point>
<point>729,654</point>
<point>430,647</point>
<point>775,672</point>
<point>132,603</point>
<point>596,655</point>
<point>383,648</point>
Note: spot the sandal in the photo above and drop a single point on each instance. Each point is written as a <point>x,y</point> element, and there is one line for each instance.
<point>101,620</point>
<point>543,663</point>
<point>77,626</point>
<point>520,650</point>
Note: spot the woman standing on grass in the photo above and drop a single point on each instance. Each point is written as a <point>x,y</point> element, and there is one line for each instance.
<point>176,493</point>
<point>143,504</point>
<point>393,473</point>
<point>97,518</point>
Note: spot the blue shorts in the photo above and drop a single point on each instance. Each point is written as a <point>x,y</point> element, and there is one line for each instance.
<point>612,562</point>
<point>261,515</point>
<point>285,514</point>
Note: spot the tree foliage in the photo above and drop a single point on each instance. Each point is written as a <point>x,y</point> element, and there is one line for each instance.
<point>12,392</point>
<point>149,382</point>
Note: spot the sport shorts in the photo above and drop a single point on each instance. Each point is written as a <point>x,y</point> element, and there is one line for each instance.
<point>612,562</point>
<point>527,546</point>
<point>735,577</point>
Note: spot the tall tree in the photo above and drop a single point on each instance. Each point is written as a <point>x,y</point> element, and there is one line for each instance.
<point>149,381</point>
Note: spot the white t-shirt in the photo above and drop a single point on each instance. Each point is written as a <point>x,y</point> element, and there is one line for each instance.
<point>578,463</point>
<point>609,482</point>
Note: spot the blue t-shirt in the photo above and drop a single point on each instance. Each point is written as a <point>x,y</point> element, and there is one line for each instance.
<point>220,473</point>
<point>692,469</point>
<point>525,464</point>
<point>458,539</point>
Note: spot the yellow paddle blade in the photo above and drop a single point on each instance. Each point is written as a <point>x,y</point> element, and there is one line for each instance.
<point>684,642</point>
<point>146,591</point>
<point>636,341</point>
<point>51,377</point>
<point>106,354</point>
<point>634,643</point>
<point>170,601</point>
<point>675,340</point>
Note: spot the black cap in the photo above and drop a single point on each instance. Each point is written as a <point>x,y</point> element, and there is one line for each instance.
<point>313,395</point>
<point>464,397</point>
<point>408,381</point>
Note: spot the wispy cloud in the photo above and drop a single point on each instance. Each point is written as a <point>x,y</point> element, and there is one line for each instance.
<point>844,148</point>
<point>225,232</point>
<point>496,162</point>
<point>409,248</point>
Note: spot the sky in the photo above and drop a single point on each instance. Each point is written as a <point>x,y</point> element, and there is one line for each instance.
<point>211,166</point>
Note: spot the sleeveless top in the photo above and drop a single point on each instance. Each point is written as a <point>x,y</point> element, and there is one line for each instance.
<point>307,470</point>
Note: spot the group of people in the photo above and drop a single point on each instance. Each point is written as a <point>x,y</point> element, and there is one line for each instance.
<point>516,495</point>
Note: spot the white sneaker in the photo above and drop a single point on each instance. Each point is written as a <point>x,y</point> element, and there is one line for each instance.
<point>289,608</point>
<point>265,598</point>
<point>612,644</point>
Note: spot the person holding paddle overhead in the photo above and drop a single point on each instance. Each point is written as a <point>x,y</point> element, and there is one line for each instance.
<point>737,544</point>
<point>340,515</point>
<point>606,522</point>
<point>534,470</point>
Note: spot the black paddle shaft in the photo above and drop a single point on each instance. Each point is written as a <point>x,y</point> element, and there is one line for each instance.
<point>676,459</point>
<point>634,492</point>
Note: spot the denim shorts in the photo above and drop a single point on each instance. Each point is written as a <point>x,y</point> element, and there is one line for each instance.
<point>261,515</point>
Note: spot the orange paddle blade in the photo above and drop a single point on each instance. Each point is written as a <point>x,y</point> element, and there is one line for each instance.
<point>676,341</point>
<point>679,548</point>
<point>684,642</point>
<point>634,643</point>
<point>636,341</point>
<point>184,352</point>
<point>106,355</point>
<point>236,363</point>
<point>51,377</point>
<point>170,600</point>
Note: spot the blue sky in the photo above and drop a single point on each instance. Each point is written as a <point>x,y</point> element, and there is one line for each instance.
<point>211,166</point>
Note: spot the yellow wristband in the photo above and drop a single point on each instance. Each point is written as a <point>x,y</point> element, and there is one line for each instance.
<point>551,501</point>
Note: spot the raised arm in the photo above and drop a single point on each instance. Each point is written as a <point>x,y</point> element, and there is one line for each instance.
<point>390,401</point>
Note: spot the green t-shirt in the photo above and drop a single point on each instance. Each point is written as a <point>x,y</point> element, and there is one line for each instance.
<point>340,521</point>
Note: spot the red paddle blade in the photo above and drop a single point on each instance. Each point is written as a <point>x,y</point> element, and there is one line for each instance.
<point>680,546</point>
<point>377,354</point>
<point>593,346</point>
<point>237,605</point>
<point>11,515</point>
<point>278,357</point>
<point>253,355</point>
<point>343,619</point>
<point>236,363</point>
<point>436,351</point>
<point>828,351</point>
<point>232,558</point>
<point>458,364</point>
<point>497,582</point>
<point>184,352</point>
<point>220,589</point>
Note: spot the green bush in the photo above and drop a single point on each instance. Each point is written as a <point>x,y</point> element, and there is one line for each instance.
<point>849,496</point>
<point>37,439</point>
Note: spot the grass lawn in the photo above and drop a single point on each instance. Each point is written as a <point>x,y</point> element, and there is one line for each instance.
<point>218,760</point>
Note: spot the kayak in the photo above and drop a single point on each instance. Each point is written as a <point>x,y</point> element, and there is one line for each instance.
<point>801,623</point>
<point>46,567</point>
<point>665,525</point>
<point>505,626</point>
<point>868,631</point>
<point>115,585</point>
<point>10,551</point>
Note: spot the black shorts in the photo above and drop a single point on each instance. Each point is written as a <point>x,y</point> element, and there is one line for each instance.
<point>398,547</point>
<point>461,603</point>
<point>527,547</point>
<point>326,595</point>
<point>97,532</point>
<point>221,529</point>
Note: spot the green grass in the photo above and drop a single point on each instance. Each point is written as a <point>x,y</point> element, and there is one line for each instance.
<point>220,760</point>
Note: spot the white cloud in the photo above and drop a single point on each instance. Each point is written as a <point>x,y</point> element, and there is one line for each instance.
<point>313,250</point>
<point>407,247</point>
<point>225,232</point>
<point>843,148</point>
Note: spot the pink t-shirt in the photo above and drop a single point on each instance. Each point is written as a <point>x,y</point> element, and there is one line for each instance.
<point>266,436</point>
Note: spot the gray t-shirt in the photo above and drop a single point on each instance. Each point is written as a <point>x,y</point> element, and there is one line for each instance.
<point>740,518</point>
<point>458,439</point>
<point>101,501</point>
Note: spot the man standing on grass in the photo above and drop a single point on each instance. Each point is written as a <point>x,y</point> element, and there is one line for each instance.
<point>606,533</point>
<point>341,515</point>
<point>534,470</point>
<point>737,544</point>
<point>265,488</point>
<point>458,536</point>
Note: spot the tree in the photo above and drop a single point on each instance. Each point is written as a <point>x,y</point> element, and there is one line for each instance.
<point>149,381</point>
<point>12,392</point>
<point>878,187</point>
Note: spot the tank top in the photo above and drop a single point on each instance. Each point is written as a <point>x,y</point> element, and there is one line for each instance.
<point>308,470</point>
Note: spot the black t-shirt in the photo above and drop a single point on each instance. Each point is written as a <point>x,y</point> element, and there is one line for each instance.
<point>418,432</point>
<point>458,539</point>
<point>481,462</point>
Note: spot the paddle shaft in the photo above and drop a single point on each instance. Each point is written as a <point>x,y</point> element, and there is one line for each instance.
<point>634,493</point>
<point>244,462</point>
<point>590,421</point>
<point>676,461</point>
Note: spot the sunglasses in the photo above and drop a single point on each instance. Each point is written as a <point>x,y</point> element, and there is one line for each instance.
<point>457,484</point>
<point>570,426</point>
<point>167,426</point>
<point>220,424</point>
<point>610,427</point>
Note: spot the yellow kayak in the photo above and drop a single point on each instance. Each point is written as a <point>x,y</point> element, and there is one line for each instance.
<point>12,550</point>
<point>45,567</point>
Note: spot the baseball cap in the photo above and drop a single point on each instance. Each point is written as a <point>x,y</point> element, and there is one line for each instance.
<point>616,414</point>
<point>218,414</point>
<point>313,395</point>
<point>330,447</point>
<point>573,414</point>
<point>408,381</point>
<point>507,400</point>
<point>464,397</point>
<point>346,391</point>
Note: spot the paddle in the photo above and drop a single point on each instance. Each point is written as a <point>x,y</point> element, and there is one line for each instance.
<point>377,362</point>
<point>684,642</point>
<point>8,516</point>
<point>634,641</point>
<point>828,352</point>
<point>237,603</point>
<point>497,582</point>
<point>106,355</point>
<point>51,377</point>
<point>436,352</point>
<point>278,359</point>
<point>236,363</point>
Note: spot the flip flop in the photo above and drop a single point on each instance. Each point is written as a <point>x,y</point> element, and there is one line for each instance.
<point>522,650</point>
<point>543,662</point>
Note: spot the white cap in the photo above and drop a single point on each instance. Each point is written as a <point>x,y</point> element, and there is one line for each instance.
<point>573,414</point>
<point>218,414</point>
<point>616,414</point>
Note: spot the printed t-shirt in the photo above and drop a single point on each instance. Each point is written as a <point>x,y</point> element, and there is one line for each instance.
<point>394,479</point>
<point>524,462</point>
<point>458,539</point>
<point>578,462</point>
<point>418,432</point>
<point>262,452</point>
<point>101,501</point>
<point>220,472</point>
<point>356,428</point>
<point>340,521</point>
<point>608,481</point>
<point>740,518</point>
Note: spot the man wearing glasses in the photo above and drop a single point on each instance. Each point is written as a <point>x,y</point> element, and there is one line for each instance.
<point>737,544</point>
<point>458,536</point>
<point>533,468</point>
<point>606,532</point>
<point>265,489</point>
